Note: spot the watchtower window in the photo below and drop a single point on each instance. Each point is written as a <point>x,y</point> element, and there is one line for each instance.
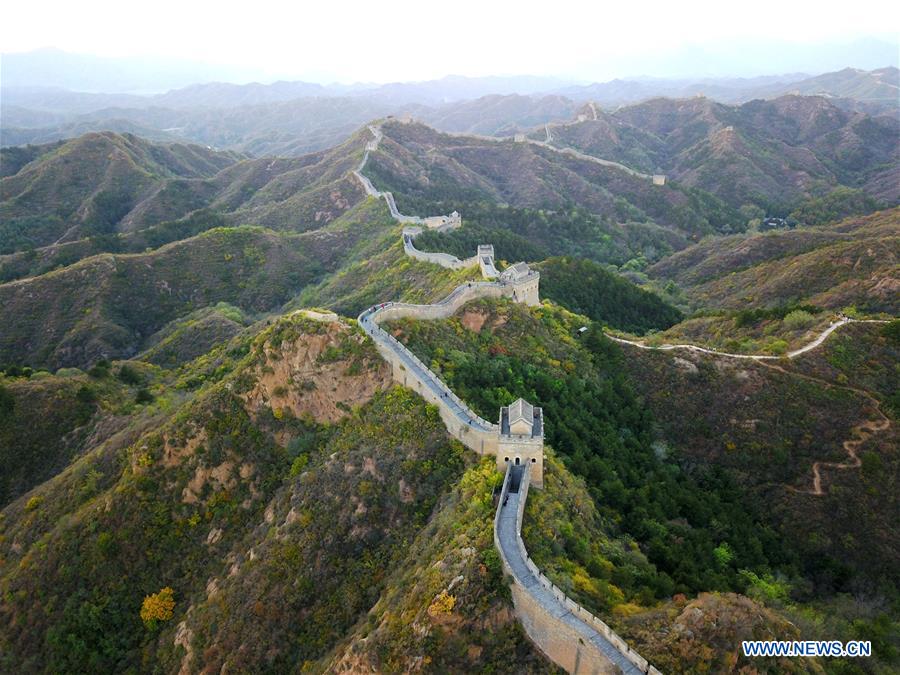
<point>517,461</point>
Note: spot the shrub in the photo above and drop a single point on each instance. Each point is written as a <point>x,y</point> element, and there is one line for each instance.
<point>129,375</point>
<point>891,331</point>
<point>100,369</point>
<point>7,403</point>
<point>442,605</point>
<point>143,396</point>
<point>798,319</point>
<point>777,347</point>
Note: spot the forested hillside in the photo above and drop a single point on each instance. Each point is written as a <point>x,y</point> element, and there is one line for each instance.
<point>681,454</point>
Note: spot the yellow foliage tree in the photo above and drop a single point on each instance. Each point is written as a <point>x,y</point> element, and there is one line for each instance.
<point>158,607</point>
<point>442,604</point>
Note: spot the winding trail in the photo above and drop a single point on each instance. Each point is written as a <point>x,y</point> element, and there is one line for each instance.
<point>819,339</point>
<point>859,434</point>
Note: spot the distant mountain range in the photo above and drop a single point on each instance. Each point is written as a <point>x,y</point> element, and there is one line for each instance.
<point>875,88</point>
<point>293,118</point>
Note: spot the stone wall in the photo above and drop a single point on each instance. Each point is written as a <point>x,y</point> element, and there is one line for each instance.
<point>558,640</point>
<point>442,259</point>
<point>529,451</point>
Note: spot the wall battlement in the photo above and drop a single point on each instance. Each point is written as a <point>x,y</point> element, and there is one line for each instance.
<point>565,632</point>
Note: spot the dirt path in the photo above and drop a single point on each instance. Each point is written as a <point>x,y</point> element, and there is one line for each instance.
<point>859,434</point>
<point>819,339</point>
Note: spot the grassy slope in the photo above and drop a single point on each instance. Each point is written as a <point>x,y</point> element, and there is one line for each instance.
<point>777,267</point>
<point>108,305</point>
<point>92,182</point>
<point>851,265</point>
<point>587,288</point>
<point>769,153</point>
<point>46,421</point>
<point>105,187</point>
<point>522,175</point>
<point>386,275</point>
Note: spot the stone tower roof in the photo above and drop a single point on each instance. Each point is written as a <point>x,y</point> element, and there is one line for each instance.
<point>521,410</point>
<point>515,272</point>
<point>520,418</point>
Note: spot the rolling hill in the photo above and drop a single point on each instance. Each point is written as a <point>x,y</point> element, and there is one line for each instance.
<point>108,184</point>
<point>772,154</point>
<point>429,171</point>
<point>855,262</point>
<point>89,185</point>
<point>111,305</point>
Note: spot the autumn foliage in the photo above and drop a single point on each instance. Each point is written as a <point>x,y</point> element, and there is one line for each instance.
<point>158,607</point>
<point>442,605</point>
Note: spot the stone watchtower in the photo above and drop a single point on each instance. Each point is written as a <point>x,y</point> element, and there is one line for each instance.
<point>524,282</point>
<point>522,439</point>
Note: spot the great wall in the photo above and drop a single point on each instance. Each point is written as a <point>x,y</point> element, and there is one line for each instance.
<point>565,632</point>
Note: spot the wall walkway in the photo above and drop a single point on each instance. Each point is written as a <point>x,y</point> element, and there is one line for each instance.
<point>567,633</point>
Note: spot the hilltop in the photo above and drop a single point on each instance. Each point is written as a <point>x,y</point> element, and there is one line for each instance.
<point>88,185</point>
<point>771,154</point>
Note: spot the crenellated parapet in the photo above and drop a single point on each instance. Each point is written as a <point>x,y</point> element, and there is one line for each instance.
<point>566,633</point>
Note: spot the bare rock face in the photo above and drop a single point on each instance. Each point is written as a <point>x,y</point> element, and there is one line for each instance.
<point>322,373</point>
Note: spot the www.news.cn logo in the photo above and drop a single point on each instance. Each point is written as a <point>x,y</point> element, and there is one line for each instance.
<point>806,648</point>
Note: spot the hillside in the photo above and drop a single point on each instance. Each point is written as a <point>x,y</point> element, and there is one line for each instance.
<point>101,185</point>
<point>709,442</point>
<point>850,263</point>
<point>48,421</point>
<point>429,171</point>
<point>345,504</point>
<point>109,305</point>
<point>870,90</point>
<point>497,115</point>
<point>771,154</point>
<point>251,493</point>
<point>88,185</point>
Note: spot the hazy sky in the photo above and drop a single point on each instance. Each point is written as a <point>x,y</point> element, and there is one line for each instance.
<point>419,39</point>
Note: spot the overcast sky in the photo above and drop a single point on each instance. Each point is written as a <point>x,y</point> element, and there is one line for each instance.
<point>335,40</point>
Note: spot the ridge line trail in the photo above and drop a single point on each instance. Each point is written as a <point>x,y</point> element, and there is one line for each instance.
<point>818,340</point>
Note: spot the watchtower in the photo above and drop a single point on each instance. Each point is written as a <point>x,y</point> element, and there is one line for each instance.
<point>522,439</point>
<point>525,282</point>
